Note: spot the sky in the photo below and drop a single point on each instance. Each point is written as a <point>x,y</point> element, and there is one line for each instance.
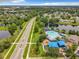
<point>40,2</point>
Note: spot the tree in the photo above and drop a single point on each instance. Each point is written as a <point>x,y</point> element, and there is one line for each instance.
<point>73,32</point>
<point>58,38</point>
<point>77,33</point>
<point>12,28</point>
<point>52,28</point>
<point>41,24</point>
<point>53,52</point>
<point>70,32</point>
<point>63,31</point>
<point>1,48</point>
<point>37,47</point>
<point>1,57</point>
<point>6,45</point>
<point>42,31</point>
<point>44,20</point>
<point>54,20</point>
<point>36,29</point>
<point>70,52</point>
<point>74,20</point>
<point>42,37</point>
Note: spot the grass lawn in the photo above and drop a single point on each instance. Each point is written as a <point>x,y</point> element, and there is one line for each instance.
<point>35,37</point>
<point>36,51</point>
<point>3,28</point>
<point>25,51</point>
<point>3,54</point>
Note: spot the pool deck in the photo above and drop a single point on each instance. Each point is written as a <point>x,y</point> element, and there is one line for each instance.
<point>52,35</point>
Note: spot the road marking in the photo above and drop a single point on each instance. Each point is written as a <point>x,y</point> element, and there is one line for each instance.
<point>24,43</point>
<point>30,42</point>
<point>26,34</point>
<point>13,44</point>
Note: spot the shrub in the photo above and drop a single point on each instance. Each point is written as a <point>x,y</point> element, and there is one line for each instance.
<point>1,48</point>
<point>6,45</point>
<point>42,37</point>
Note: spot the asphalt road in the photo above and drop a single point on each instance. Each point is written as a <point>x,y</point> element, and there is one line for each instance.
<point>18,52</point>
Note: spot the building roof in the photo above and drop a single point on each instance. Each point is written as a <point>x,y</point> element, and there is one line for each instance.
<point>57,44</point>
<point>53,44</point>
<point>61,43</point>
<point>45,42</point>
<point>74,38</point>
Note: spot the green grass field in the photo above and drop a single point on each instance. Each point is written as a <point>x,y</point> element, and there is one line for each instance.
<point>3,28</point>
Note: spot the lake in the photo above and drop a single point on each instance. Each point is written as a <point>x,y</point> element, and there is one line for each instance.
<point>4,34</point>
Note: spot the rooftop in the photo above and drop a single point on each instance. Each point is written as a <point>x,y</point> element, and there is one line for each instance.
<point>74,39</point>
<point>57,44</point>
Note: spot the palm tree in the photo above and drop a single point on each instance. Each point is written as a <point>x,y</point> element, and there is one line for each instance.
<point>53,52</point>
<point>70,52</point>
<point>73,56</point>
<point>58,38</point>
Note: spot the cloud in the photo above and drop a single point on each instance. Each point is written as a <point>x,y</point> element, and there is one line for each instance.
<point>23,2</point>
<point>17,1</point>
<point>13,1</point>
<point>59,4</point>
<point>6,0</point>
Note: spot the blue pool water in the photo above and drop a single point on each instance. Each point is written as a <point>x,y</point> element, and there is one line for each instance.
<point>53,44</point>
<point>57,44</point>
<point>52,34</point>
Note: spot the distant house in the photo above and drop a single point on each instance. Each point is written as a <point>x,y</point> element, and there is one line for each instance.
<point>74,39</point>
<point>2,24</point>
<point>62,20</point>
<point>77,19</point>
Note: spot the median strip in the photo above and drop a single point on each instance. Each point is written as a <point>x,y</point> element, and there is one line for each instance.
<point>7,56</point>
<point>26,50</point>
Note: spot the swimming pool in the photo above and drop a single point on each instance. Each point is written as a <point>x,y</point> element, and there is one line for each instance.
<point>57,44</point>
<point>52,35</point>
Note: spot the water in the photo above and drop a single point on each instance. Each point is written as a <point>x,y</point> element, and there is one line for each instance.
<point>4,34</point>
<point>57,44</point>
<point>52,35</point>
